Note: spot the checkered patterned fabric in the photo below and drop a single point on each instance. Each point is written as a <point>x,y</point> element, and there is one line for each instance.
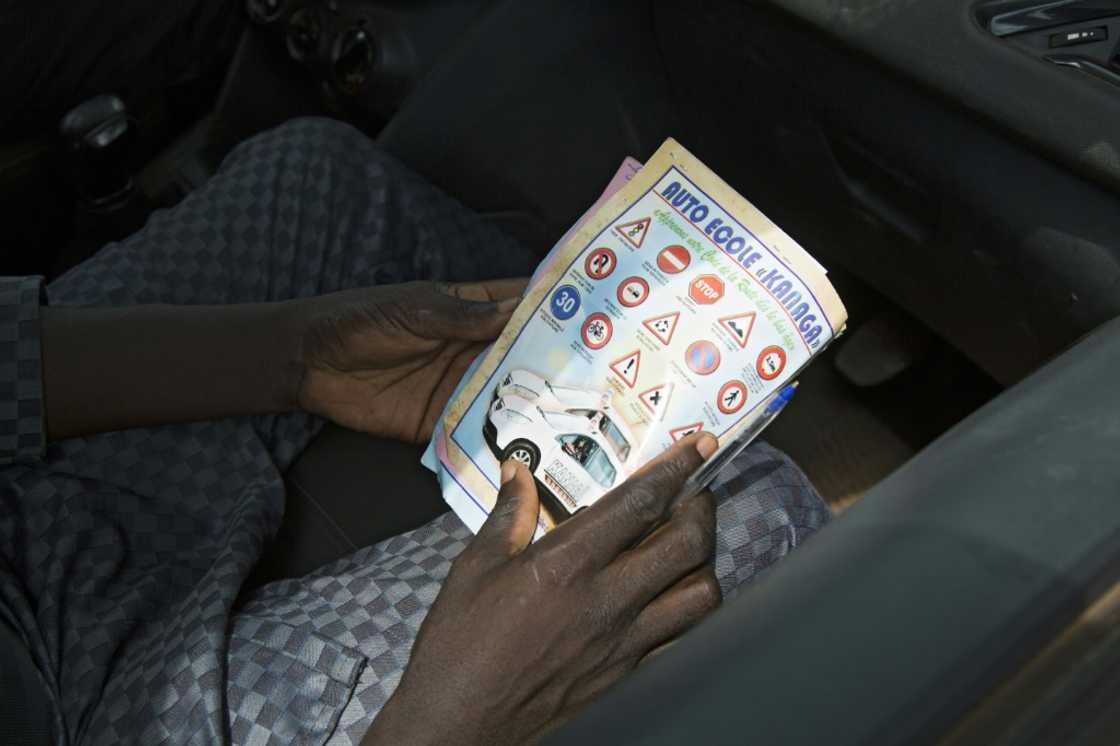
<point>21,388</point>
<point>122,555</point>
<point>765,506</point>
<point>279,673</point>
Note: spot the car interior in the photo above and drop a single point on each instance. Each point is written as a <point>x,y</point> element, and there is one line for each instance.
<point>954,164</point>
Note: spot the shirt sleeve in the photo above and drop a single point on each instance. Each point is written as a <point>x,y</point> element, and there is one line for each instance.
<point>22,428</point>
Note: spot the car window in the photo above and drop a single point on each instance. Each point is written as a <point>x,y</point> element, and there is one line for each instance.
<point>579,447</point>
<point>615,438</point>
<point>523,391</point>
<point>610,430</point>
<point>600,468</point>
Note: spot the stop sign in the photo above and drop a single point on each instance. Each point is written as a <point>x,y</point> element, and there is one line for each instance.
<point>706,289</point>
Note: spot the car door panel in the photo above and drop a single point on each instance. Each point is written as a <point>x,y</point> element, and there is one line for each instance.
<point>944,45</point>
<point>563,476</point>
<point>996,243</point>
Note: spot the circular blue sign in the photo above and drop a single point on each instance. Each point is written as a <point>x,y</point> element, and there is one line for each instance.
<point>702,357</point>
<point>565,302</point>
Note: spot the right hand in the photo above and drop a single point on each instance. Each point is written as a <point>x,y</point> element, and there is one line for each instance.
<point>523,635</point>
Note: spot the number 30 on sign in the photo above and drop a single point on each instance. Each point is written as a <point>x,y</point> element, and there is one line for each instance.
<point>565,302</point>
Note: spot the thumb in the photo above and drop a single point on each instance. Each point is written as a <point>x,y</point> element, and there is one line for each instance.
<point>465,312</point>
<point>509,528</point>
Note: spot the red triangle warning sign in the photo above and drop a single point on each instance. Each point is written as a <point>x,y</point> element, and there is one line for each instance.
<point>663,326</point>
<point>685,430</point>
<point>739,326</point>
<point>656,399</point>
<point>634,232</point>
<point>626,367</point>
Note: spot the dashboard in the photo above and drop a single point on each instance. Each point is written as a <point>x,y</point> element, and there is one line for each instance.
<point>364,56</point>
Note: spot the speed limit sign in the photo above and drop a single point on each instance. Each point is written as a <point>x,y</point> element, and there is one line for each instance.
<point>565,302</point>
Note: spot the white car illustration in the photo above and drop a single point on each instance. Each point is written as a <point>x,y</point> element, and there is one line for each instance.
<point>576,452</point>
<point>547,395</point>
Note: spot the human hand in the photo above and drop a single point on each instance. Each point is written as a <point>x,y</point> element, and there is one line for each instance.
<point>523,635</point>
<point>385,360</point>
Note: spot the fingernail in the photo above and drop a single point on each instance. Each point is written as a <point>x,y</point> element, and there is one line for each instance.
<point>508,304</point>
<point>706,445</point>
<point>509,471</point>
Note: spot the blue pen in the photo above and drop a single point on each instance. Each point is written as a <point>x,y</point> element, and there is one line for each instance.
<point>703,476</point>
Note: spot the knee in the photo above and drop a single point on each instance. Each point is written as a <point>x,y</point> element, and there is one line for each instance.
<point>313,140</point>
<point>766,480</point>
<point>766,507</point>
<point>323,133</point>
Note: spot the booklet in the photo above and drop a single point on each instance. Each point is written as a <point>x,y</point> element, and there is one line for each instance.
<point>673,306</point>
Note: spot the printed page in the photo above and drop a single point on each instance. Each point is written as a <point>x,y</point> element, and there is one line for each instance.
<point>676,307</point>
<point>437,447</point>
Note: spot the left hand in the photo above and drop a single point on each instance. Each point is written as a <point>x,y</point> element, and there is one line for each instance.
<point>385,360</point>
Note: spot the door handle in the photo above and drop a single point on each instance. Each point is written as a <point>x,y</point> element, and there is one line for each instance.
<point>1085,65</point>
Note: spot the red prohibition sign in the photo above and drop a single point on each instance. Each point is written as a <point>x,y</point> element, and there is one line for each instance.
<point>771,362</point>
<point>632,291</point>
<point>600,263</point>
<point>702,357</point>
<point>596,331</point>
<point>673,259</point>
<point>732,397</point>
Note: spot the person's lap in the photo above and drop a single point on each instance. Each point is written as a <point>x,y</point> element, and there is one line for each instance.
<point>305,209</point>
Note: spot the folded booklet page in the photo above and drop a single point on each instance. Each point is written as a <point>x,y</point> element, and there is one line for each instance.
<point>675,306</point>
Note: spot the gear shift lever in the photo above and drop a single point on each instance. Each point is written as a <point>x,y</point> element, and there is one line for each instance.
<point>98,136</point>
<point>97,139</point>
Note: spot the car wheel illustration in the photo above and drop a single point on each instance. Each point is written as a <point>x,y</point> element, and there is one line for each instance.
<point>523,452</point>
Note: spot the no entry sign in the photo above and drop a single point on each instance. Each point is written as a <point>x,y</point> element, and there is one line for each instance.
<point>673,259</point>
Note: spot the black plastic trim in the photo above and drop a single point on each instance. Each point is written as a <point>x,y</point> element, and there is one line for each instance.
<point>1085,65</point>
<point>1005,19</point>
